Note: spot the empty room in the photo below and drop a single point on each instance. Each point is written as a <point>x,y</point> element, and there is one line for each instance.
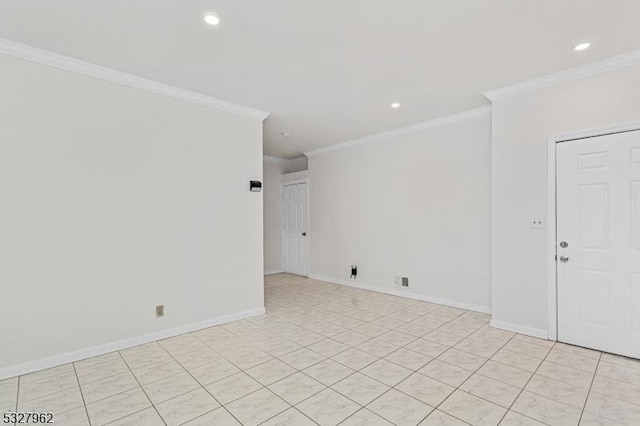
<point>296,212</point>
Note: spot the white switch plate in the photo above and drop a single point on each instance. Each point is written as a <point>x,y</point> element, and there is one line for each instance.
<point>536,222</point>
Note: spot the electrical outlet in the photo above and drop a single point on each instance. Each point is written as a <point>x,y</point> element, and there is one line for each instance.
<point>160,311</point>
<point>402,281</point>
<point>354,272</point>
<point>536,222</point>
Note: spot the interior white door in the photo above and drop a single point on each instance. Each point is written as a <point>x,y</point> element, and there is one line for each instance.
<point>598,228</point>
<point>295,229</point>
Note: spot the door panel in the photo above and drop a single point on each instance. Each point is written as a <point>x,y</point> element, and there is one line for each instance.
<point>593,216</point>
<point>295,229</point>
<point>594,297</point>
<point>635,301</point>
<point>598,216</point>
<point>635,216</point>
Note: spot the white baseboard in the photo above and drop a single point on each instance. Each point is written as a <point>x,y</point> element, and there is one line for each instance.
<point>55,361</point>
<point>272,272</point>
<point>517,328</point>
<point>402,293</point>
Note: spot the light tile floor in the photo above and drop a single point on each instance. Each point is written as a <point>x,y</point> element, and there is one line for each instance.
<point>327,354</point>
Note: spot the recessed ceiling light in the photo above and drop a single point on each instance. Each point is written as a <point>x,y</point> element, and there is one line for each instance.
<point>211,19</point>
<point>395,105</point>
<point>582,46</point>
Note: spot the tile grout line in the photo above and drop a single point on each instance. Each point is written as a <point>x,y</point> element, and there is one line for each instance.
<point>463,312</point>
<point>262,386</point>
<point>532,374</point>
<point>50,394</point>
<point>471,375</point>
<point>120,392</point>
<point>99,364</point>
<point>593,379</point>
<point>412,372</point>
<point>203,386</point>
<point>18,395</point>
<point>301,371</point>
<point>562,381</point>
<point>356,371</point>
<point>141,388</point>
<point>302,414</point>
<point>45,395</point>
<point>84,402</point>
<point>527,383</point>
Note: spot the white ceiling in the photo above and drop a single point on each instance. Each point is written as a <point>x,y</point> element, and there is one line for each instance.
<point>328,70</point>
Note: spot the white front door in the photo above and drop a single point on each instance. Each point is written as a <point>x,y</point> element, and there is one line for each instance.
<point>294,238</point>
<point>598,246</point>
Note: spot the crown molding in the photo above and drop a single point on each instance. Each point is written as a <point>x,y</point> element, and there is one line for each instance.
<point>611,64</point>
<point>44,57</point>
<point>271,159</point>
<point>438,122</point>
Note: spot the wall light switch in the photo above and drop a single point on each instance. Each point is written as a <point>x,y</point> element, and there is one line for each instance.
<point>536,222</point>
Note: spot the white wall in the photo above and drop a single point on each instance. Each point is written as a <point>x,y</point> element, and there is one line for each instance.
<point>416,205</point>
<point>522,126</point>
<point>115,200</point>
<point>272,189</point>
<point>295,165</point>
<point>295,176</point>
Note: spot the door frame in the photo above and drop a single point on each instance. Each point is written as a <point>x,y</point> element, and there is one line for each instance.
<point>282,236</point>
<point>552,235</point>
